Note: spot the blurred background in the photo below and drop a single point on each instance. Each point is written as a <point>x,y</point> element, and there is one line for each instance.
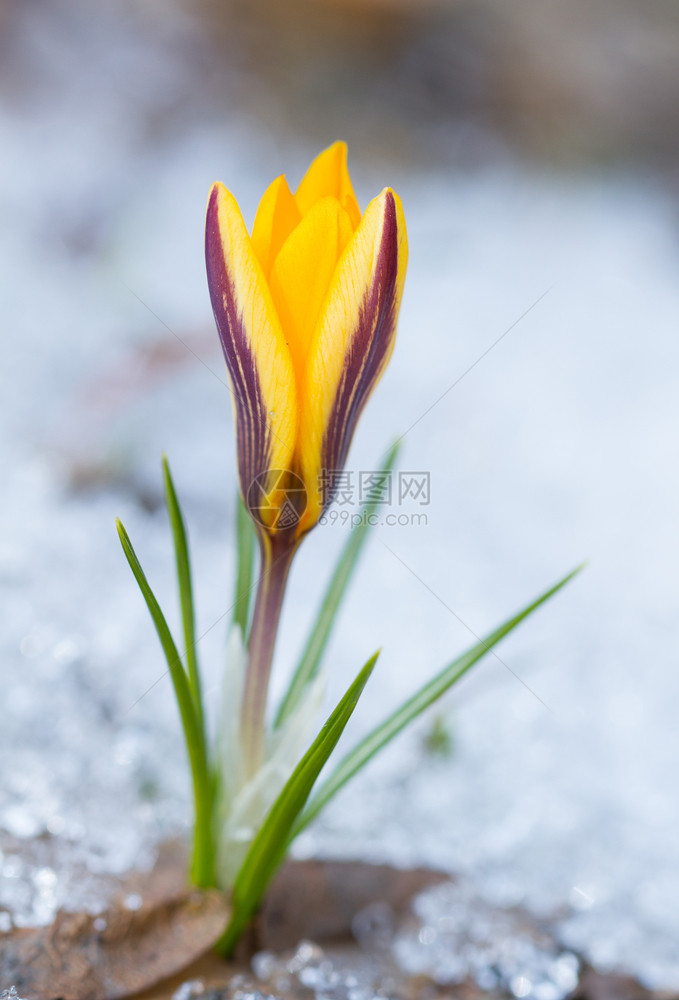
<point>535,146</point>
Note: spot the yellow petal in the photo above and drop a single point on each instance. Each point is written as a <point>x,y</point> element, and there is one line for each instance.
<point>302,272</point>
<point>352,343</point>
<point>256,354</point>
<point>276,217</point>
<point>328,175</point>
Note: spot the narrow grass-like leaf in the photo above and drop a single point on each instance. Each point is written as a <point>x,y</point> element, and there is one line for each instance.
<point>245,541</point>
<point>379,737</point>
<point>315,647</point>
<point>271,842</point>
<point>203,860</point>
<point>181,550</point>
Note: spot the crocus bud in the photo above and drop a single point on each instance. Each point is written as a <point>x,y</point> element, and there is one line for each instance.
<point>306,309</point>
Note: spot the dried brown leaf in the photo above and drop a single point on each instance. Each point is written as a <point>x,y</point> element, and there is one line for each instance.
<point>77,958</point>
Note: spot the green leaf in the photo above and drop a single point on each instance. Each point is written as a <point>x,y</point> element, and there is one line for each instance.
<point>245,541</point>
<point>181,550</point>
<point>194,734</point>
<point>271,842</point>
<point>311,657</point>
<point>428,694</point>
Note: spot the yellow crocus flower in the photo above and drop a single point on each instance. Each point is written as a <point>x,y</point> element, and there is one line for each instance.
<point>306,308</point>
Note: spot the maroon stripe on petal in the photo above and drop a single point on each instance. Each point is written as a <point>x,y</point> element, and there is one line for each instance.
<point>253,435</point>
<point>369,347</point>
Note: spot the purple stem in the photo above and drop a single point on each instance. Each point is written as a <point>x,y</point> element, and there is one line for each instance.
<point>277,553</point>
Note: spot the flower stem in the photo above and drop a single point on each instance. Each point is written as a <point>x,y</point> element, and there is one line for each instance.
<point>277,553</point>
